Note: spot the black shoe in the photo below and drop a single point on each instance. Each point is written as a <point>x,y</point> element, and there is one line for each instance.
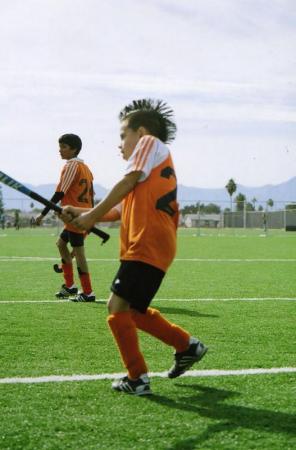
<point>81,297</point>
<point>66,292</point>
<point>184,360</point>
<point>141,386</point>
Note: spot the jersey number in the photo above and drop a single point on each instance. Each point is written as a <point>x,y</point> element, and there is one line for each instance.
<point>163,203</point>
<point>82,198</point>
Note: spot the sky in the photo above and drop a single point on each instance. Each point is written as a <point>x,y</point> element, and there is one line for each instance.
<point>226,67</point>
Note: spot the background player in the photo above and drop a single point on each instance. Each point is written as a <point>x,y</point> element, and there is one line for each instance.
<point>75,188</point>
<point>149,219</point>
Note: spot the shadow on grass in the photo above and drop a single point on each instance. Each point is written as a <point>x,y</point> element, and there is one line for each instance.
<point>208,402</point>
<point>162,309</point>
<point>184,311</point>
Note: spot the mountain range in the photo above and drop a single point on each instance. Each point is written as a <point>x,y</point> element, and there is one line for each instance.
<point>283,192</point>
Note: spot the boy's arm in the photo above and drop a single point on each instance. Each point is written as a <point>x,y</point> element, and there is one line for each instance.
<point>113,198</point>
<point>57,196</point>
<point>75,211</point>
<point>67,177</point>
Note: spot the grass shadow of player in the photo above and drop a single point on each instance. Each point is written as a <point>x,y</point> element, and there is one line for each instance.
<point>209,403</point>
<point>183,311</point>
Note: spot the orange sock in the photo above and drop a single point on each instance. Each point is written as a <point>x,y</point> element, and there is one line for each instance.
<point>85,282</point>
<point>125,334</point>
<point>154,323</point>
<point>68,274</point>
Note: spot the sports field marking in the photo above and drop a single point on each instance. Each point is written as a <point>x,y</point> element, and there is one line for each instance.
<point>112,376</point>
<point>218,260</point>
<point>233,299</point>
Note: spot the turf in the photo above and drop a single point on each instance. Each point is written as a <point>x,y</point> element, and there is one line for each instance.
<point>223,412</point>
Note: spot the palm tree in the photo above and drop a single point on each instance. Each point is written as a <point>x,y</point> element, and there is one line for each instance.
<point>240,201</point>
<point>270,202</point>
<point>231,188</point>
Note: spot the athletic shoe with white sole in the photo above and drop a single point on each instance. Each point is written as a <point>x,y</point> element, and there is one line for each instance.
<point>184,360</point>
<point>141,386</point>
<point>81,297</point>
<point>66,292</point>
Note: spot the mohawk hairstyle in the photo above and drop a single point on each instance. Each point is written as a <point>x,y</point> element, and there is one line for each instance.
<point>155,115</point>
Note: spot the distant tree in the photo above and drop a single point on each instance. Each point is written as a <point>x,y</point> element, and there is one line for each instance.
<point>17,219</point>
<point>291,206</point>
<point>270,202</point>
<point>2,217</point>
<point>212,208</point>
<point>198,207</point>
<point>1,204</point>
<point>240,201</point>
<point>260,208</point>
<point>231,188</point>
<point>254,201</point>
<point>250,206</point>
<point>191,209</point>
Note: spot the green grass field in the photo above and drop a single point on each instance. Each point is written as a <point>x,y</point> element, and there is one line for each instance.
<point>236,292</point>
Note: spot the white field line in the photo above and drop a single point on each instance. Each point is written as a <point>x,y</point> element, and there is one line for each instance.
<point>112,376</point>
<point>233,299</point>
<point>217,260</point>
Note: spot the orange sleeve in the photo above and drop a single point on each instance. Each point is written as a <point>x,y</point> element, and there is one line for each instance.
<point>67,177</point>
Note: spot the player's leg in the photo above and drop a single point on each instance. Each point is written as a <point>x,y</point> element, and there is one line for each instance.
<point>87,294</point>
<point>68,288</point>
<point>58,268</point>
<point>125,334</point>
<point>188,349</point>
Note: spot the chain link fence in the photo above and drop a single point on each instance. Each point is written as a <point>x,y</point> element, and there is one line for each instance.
<point>280,216</point>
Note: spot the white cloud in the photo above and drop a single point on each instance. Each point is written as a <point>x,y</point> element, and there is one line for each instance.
<point>226,67</point>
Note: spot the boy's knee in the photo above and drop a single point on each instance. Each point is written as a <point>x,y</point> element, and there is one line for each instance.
<point>153,312</point>
<point>60,244</point>
<point>116,304</point>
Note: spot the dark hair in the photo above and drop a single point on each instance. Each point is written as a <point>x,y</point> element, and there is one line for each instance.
<point>72,140</point>
<point>155,115</point>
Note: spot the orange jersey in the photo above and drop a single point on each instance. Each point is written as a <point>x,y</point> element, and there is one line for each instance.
<point>76,182</point>
<point>149,216</point>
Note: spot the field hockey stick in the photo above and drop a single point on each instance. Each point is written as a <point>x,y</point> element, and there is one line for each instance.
<point>5,179</point>
<point>57,268</point>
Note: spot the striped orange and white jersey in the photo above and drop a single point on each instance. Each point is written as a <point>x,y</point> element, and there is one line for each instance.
<point>149,216</point>
<point>76,182</point>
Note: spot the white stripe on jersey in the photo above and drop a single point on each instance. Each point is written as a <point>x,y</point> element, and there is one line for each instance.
<point>146,146</point>
<point>69,175</point>
<point>148,154</point>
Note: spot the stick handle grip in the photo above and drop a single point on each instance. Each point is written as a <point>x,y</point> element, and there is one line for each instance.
<point>6,179</point>
<point>104,236</point>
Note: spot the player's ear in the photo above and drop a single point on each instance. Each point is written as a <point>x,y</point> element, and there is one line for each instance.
<point>142,131</point>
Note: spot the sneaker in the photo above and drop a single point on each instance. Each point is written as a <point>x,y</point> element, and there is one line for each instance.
<point>184,360</point>
<point>66,292</point>
<point>81,297</point>
<point>141,386</point>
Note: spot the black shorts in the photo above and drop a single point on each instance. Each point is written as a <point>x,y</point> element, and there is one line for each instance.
<point>137,283</point>
<point>75,239</point>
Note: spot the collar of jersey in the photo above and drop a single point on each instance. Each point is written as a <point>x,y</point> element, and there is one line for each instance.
<point>75,159</point>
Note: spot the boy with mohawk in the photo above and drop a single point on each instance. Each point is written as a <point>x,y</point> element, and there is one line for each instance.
<point>145,199</point>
